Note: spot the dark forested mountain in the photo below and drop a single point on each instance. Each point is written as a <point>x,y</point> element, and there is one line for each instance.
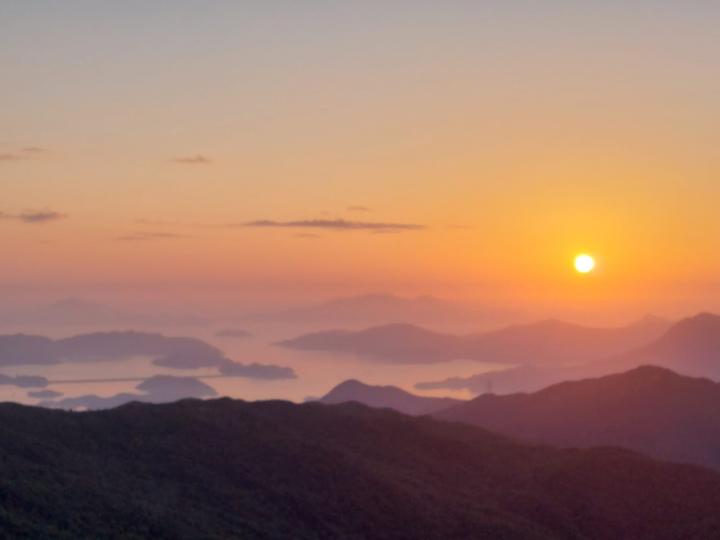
<point>273,470</point>
<point>649,409</point>
<point>390,397</point>
<point>546,343</point>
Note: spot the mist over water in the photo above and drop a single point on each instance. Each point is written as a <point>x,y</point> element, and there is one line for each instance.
<point>317,371</point>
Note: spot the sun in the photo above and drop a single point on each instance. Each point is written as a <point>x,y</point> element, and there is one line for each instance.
<point>584,263</point>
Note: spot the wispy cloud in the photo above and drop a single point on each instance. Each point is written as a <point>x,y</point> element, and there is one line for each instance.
<point>142,236</point>
<point>334,224</point>
<point>40,216</point>
<point>35,216</point>
<point>24,153</point>
<point>144,221</point>
<point>34,150</point>
<point>356,208</point>
<point>197,159</point>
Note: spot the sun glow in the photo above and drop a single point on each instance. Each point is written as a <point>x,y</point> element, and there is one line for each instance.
<point>584,263</point>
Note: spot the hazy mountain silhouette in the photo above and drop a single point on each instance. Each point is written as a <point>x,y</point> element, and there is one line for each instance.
<point>76,311</point>
<point>257,371</point>
<point>23,349</point>
<point>393,343</point>
<point>649,409</point>
<point>44,394</point>
<point>169,352</point>
<point>690,346</point>
<point>233,333</point>
<point>546,343</point>
<point>390,397</point>
<point>377,308</point>
<point>156,389</point>
<point>274,470</point>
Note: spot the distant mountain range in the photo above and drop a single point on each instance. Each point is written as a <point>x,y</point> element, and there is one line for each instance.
<point>390,397</point>
<point>690,346</point>
<point>274,470</point>
<point>378,308</point>
<point>546,343</point>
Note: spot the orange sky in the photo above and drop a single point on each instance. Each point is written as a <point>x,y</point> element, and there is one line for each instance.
<point>515,136</point>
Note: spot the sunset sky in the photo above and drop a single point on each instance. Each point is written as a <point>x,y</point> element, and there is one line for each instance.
<point>287,149</point>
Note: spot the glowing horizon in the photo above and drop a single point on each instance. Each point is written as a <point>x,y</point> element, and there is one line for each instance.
<point>458,150</point>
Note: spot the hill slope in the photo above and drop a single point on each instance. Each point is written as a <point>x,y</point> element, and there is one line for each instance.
<point>649,409</point>
<point>229,469</point>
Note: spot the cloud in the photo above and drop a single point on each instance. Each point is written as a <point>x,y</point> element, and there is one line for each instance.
<point>197,159</point>
<point>335,224</point>
<point>40,216</point>
<point>359,209</point>
<point>142,236</point>
<point>23,153</point>
<point>144,221</point>
<point>35,216</point>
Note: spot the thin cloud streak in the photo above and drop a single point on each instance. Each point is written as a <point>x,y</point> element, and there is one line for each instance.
<point>35,216</point>
<point>333,224</point>
<point>42,216</point>
<point>143,236</point>
<point>198,159</point>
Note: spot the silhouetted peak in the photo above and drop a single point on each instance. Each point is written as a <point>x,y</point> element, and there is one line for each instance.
<point>350,384</point>
<point>649,371</point>
<point>700,325</point>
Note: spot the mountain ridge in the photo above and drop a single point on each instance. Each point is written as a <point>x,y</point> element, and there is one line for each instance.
<point>274,470</point>
<point>649,409</point>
